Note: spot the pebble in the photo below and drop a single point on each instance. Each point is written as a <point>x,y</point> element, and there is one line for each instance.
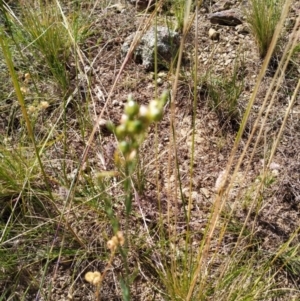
<point>213,34</point>
<point>242,29</point>
<point>102,123</point>
<point>228,62</point>
<point>115,103</point>
<point>159,81</point>
<point>205,192</point>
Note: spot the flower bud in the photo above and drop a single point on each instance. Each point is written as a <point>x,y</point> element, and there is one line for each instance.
<point>134,126</point>
<point>124,147</point>
<point>124,118</point>
<point>143,111</point>
<point>155,113</point>
<point>121,131</point>
<point>131,109</point>
<point>154,104</point>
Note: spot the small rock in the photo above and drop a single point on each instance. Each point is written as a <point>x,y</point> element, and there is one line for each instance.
<point>102,123</point>
<point>230,17</point>
<point>290,23</point>
<point>245,4</point>
<point>195,196</point>
<point>221,180</point>
<point>119,7</point>
<point>274,166</point>
<point>72,174</point>
<point>172,178</point>
<point>213,34</point>
<point>205,192</point>
<point>227,62</point>
<point>242,29</point>
<point>162,74</point>
<point>186,191</point>
<point>187,207</point>
<point>166,46</point>
<point>159,81</point>
<point>221,5</point>
<point>115,103</point>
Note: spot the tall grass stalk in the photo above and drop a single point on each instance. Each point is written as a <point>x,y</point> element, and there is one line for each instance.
<point>223,190</point>
<point>177,284</point>
<point>188,268</point>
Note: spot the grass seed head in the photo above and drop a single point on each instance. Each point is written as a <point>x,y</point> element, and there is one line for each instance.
<point>111,245</point>
<point>120,237</point>
<point>31,110</point>
<point>44,105</point>
<point>93,277</point>
<point>24,90</point>
<point>117,240</point>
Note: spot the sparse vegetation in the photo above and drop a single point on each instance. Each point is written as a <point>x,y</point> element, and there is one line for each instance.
<point>223,94</point>
<point>263,17</point>
<point>178,7</point>
<point>119,183</point>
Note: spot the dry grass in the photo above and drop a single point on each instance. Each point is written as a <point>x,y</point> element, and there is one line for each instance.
<point>70,182</point>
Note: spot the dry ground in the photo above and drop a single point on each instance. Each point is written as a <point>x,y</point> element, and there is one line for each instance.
<point>279,214</point>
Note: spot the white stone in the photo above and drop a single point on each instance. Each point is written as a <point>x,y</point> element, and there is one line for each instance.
<point>213,34</point>
<point>205,192</point>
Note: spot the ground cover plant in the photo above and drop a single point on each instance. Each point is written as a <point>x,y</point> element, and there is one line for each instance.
<point>121,183</point>
<point>263,18</point>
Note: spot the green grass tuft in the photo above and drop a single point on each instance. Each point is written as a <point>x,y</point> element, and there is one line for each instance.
<point>263,16</point>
